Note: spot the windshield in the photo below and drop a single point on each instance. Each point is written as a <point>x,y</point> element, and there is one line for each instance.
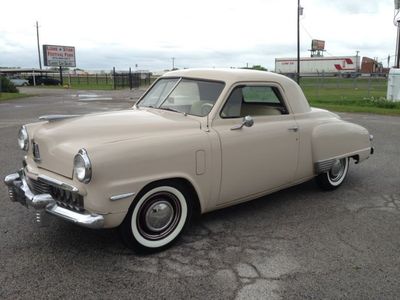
<point>189,96</point>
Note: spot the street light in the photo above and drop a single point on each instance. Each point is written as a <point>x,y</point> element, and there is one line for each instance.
<point>38,44</point>
<point>173,63</point>
<point>299,13</point>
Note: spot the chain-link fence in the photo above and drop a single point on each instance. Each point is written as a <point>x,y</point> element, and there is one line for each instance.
<point>338,88</point>
<point>116,79</point>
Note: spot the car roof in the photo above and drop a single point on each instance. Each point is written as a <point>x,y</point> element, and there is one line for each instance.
<point>294,94</point>
<point>229,75</point>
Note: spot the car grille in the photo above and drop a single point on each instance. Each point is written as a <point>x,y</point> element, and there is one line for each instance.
<point>64,198</point>
<point>38,187</point>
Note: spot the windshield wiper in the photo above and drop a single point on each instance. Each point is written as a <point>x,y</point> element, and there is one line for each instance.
<point>172,109</point>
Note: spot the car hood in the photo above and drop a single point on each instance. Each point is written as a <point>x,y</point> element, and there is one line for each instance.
<point>59,141</point>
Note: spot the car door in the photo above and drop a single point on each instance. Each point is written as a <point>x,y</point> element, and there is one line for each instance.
<point>263,156</point>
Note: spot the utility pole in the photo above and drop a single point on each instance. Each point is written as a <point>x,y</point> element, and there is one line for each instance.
<point>357,61</point>
<point>38,44</point>
<point>398,45</point>
<point>173,63</point>
<point>397,23</point>
<point>299,12</point>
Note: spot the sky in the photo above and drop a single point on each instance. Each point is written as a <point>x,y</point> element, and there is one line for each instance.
<point>207,33</point>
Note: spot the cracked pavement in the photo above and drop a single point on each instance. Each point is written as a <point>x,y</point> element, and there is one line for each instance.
<point>300,243</point>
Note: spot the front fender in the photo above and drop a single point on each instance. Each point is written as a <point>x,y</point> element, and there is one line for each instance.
<point>128,166</point>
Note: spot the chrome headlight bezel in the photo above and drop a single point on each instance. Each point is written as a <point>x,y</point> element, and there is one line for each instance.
<point>23,139</point>
<point>82,166</point>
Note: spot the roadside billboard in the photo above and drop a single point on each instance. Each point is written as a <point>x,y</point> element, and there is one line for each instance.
<point>317,45</point>
<point>59,56</point>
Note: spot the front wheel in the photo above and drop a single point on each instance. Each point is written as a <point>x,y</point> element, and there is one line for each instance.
<point>157,217</point>
<point>335,176</point>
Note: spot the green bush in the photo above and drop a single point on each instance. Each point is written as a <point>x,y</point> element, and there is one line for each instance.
<point>384,103</point>
<point>7,86</point>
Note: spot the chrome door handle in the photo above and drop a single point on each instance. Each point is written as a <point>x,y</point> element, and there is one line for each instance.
<point>294,128</point>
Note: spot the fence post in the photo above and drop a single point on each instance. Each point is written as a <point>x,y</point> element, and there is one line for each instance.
<point>69,79</point>
<point>97,80</point>
<point>79,79</point>
<point>337,81</point>
<point>369,85</point>
<point>115,87</point>
<point>106,78</point>
<point>61,76</point>
<point>130,78</point>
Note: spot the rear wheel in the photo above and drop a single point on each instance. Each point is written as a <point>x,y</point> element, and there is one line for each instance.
<point>335,176</point>
<point>158,217</point>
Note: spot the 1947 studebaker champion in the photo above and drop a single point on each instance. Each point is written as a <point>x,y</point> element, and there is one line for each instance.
<point>196,141</point>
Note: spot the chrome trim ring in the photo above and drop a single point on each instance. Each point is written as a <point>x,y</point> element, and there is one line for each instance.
<point>82,154</point>
<point>24,142</point>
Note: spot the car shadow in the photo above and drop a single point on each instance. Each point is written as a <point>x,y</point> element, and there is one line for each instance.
<point>65,236</point>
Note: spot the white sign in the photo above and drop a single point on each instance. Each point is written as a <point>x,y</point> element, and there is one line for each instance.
<point>59,56</point>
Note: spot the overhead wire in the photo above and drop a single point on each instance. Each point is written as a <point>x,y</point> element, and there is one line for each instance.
<point>312,38</point>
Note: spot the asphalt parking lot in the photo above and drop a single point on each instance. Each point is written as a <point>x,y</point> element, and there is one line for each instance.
<point>300,243</point>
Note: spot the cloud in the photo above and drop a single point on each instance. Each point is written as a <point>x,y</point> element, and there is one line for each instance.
<point>212,33</point>
<point>352,6</point>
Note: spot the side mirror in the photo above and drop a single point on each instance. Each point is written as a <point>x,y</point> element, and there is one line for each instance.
<point>247,121</point>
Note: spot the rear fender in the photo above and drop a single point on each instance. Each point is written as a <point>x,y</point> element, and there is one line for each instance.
<point>334,140</point>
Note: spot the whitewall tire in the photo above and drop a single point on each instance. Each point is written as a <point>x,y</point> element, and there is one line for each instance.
<point>157,217</point>
<point>335,176</point>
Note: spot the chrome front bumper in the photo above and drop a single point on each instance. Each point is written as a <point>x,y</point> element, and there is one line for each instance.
<point>19,191</point>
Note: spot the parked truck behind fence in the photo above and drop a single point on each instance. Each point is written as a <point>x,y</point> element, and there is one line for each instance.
<point>330,66</point>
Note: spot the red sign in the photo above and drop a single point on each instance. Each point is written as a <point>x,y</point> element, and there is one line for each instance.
<point>59,56</point>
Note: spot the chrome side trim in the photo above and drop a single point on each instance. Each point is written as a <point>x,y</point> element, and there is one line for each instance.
<point>122,196</point>
<point>324,166</point>
<point>57,183</point>
<point>52,118</point>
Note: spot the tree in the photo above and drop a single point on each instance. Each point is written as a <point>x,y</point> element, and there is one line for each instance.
<point>256,67</point>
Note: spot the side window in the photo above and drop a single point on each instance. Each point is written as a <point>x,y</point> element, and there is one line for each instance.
<point>260,94</point>
<point>254,101</point>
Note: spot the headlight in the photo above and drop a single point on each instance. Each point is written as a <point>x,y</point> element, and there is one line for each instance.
<point>23,139</point>
<point>82,166</point>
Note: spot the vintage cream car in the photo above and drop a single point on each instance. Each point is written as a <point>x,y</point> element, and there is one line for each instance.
<point>196,141</point>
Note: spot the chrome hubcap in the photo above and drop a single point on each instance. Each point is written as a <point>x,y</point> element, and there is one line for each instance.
<point>159,216</point>
<point>337,169</point>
